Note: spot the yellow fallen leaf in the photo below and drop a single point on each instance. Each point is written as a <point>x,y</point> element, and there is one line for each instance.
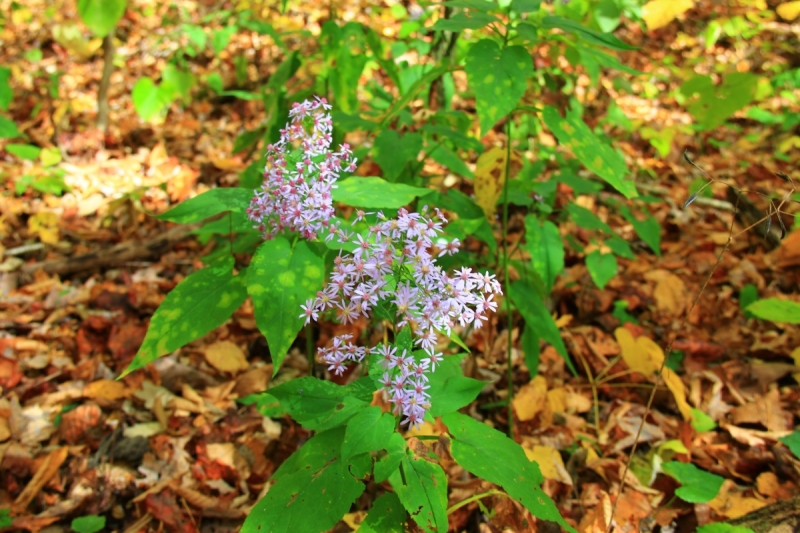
<point>659,13</point>
<point>670,295</point>
<point>646,357</point>
<point>106,389</point>
<point>225,356</point>
<point>530,399</point>
<point>557,398</point>
<point>789,10</point>
<point>732,504</point>
<point>550,463</point>
<point>490,175</point>
<point>45,225</point>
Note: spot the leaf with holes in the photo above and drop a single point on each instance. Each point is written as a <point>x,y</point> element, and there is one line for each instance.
<point>280,279</point>
<point>422,488</point>
<point>488,454</point>
<point>498,78</point>
<point>385,516</point>
<point>201,302</point>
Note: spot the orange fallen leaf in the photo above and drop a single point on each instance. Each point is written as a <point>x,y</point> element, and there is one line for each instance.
<point>530,399</point>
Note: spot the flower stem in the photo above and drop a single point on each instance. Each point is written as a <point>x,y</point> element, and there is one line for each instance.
<point>507,299</point>
<point>474,498</point>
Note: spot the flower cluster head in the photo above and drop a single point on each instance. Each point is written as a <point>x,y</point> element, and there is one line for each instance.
<point>394,264</point>
<point>300,175</point>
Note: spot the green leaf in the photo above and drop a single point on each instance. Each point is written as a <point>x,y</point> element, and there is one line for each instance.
<point>314,496</point>
<point>395,448</point>
<point>318,404</point>
<point>607,15</point>
<point>602,267</point>
<point>477,5</point>
<point>648,229</point>
<point>793,442</point>
<point>533,310</point>
<point>450,390</point>
<point>367,431</point>
<point>196,35</point>
<point>385,516</point>
<point>176,82</point>
<point>715,104</point>
<point>148,100</point>
<point>267,404</point>
<point>8,129</point>
<point>376,193</point>
<point>5,518</point>
<point>525,6</point>
<point>698,486</point>
<point>280,279</point>
<point>701,422</point>
<point>620,247</point>
<point>747,295</point>
<point>721,527</point>
<point>50,156</point>
<point>208,204</point>
<point>776,310</point>
<point>393,152</point>
<point>594,154</point>
<point>498,78</point>
<point>6,92</point>
<point>465,21</point>
<point>586,219</point>
<point>546,248</point>
<point>221,38</point>
<point>24,151</point>
<point>247,139</point>
<point>490,455</point>
<point>422,488</point>
<point>582,32</point>
<point>449,159</point>
<point>197,305</point>
<point>101,16</point>
<point>89,524</point>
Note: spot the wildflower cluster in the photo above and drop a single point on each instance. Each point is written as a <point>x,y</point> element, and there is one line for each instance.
<point>300,174</point>
<point>394,264</point>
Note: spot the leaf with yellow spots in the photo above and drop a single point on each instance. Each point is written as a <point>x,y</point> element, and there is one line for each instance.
<point>280,279</point>
<point>45,225</point>
<point>646,357</point>
<point>595,155</point>
<point>490,174</point>
<point>197,305</point>
<point>498,78</point>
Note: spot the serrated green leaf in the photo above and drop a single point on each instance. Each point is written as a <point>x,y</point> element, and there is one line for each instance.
<point>490,455</point>
<point>793,442</point>
<point>421,486</point>
<point>697,486</point>
<point>317,404</point>
<point>367,431</point>
<point>546,249</point>
<point>280,279</point>
<point>395,448</point>
<point>776,310</point>
<point>498,78</point>
<point>88,524</point>
<point>601,267</point>
<point>536,315</point>
<point>594,154</point>
<point>101,16</point>
<point>376,193</point>
<point>313,496</point>
<point>588,35</point>
<point>197,305</point>
<point>208,204</point>
<point>385,516</point>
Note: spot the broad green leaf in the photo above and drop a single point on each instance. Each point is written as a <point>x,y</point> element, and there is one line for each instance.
<point>197,305</point>
<point>395,448</point>
<point>177,82</point>
<point>602,267</point>
<point>313,497</point>
<point>620,247</point>
<point>450,389</point>
<point>607,15</point>
<point>451,160</point>
<point>385,516</point>
<point>50,156</point>
<point>648,229</point>
<point>148,100</point>
<point>477,5</point>
<point>586,219</point>
<point>317,404</point>
<point>715,104</point>
<point>394,153</point>
<point>588,35</point>
<point>459,139</point>
<point>8,129</point>
<point>6,93</point>
<point>221,38</point>
<point>376,193</point>
<point>280,279</point>
<point>498,78</point>
<point>747,295</point>
<point>267,404</point>
<point>89,524</point>
<point>24,151</point>
<point>546,248</point>
<point>101,16</point>
<point>793,442</point>
<point>422,488</point>
<point>196,35</point>
<point>465,21</point>
<point>776,310</point>
<point>525,6</point>
<point>490,455</point>
<point>367,431</point>
<point>208,204</point>
<point>594,154</point>
<point>697,486</point>
<point>247,139</point>
<point>536,315</point>
<point>319,450</point>
<point>5,518</point>
<point>701,422</point>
